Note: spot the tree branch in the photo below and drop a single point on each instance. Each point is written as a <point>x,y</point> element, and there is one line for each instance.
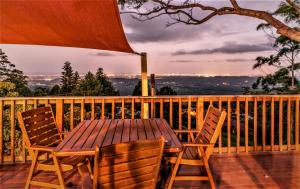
<point>163,7</point>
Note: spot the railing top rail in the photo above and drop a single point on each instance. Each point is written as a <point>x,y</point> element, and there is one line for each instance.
<point>148,97</point>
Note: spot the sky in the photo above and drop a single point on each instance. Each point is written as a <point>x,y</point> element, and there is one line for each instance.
<point>225,45</point>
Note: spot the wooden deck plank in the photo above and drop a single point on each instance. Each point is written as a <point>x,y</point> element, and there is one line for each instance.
<point>255,170</point>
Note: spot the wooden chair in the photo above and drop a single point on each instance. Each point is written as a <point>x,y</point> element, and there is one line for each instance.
<point>41,136</point>
<point>126,165</point>
<point>198,152</point>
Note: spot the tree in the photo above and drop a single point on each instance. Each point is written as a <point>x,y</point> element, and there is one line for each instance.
<point>41,91</point>
<point>167,90</point>
<point>68,80</point>
<point>5,65</point>
<point>89,86</point>
<point>8,89</point>
<point>188,12</point>
<point>55,90</point>
<point>8,73</point>
<point>107,87</point>
<point>285,61</point>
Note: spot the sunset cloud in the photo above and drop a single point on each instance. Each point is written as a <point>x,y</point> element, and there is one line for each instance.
<point>230,47</point>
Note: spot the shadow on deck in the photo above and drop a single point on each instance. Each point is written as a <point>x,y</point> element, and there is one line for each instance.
<point>257,170</point>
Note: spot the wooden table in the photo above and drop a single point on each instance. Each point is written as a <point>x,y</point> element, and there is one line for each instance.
<point>91,133</point>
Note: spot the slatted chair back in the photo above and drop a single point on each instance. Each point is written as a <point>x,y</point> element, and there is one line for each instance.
<point>211,129</point>
<point>39,127</point>
<point>129,165</point>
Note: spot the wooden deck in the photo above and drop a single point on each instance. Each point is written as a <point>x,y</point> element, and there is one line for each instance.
<point>257,170</point>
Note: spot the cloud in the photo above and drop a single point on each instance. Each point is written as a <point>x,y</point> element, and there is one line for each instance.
<point>212,61</point>
<point>230,47</point>
<point>107,54</point>
<point>103,54</point>
<point>239,60</point>
<point>183,61</point>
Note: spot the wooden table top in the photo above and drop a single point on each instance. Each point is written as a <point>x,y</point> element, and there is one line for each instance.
<point>91,133</point>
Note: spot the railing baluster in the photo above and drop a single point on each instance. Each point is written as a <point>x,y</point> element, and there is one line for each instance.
<point>82,110</point>
<point>113,109</point>
<point>35,103</point>
<point>180,116</point>
<point>229,125</point>
<point>123,108</point>
<point>59,114</point>
<point>171,113</point>
<point>297,124</point>
<point>189,117</point>
<point>23,142</point>
<point>264,124</point>
<point>103,109</point>
<point>246,124</point>
<point>255,124</point>
<point>142,108</point>
<point>132,108</point>
<point>161,109</point>
<point>12,131</point>
<point>93,109</point>
<point>72,114</point>
<point>272,124</point>
<point>1,131</point>
<point>238,130</point>
<point>220,135</point>
<point>152,108</point>
<point>289,124</point>
<point>280,123</point>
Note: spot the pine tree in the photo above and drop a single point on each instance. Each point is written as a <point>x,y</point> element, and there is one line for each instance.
<point>5,65</point>
<point>8,73</point>
<point>107,87</point>
<point>67,79</point>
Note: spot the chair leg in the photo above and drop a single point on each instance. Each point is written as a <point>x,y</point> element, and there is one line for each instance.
<point>59,174</point>
<point>209,174</point>
<point>175,170</point>
<point>31,171</point>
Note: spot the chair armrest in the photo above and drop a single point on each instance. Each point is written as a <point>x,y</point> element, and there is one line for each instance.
<point>86,181</point>
<point>41,148</point>
<point>186,131</point>
<point>197,145</point>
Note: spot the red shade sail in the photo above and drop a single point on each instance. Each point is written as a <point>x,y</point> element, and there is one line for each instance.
<point>92,24</point>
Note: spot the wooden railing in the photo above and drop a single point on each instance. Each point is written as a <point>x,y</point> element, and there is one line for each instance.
<point>254,123</point>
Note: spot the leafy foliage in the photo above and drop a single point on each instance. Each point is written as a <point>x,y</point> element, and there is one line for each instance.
<point>167,90</point>
<point>8,73</point>
<point>288,12</point>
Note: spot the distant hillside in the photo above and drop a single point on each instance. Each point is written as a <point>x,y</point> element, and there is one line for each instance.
<point>191,85</point>
<point>183,85</point>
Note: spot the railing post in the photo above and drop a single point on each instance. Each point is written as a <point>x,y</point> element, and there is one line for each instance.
<point>144,84</point>
<point>59,114</point>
